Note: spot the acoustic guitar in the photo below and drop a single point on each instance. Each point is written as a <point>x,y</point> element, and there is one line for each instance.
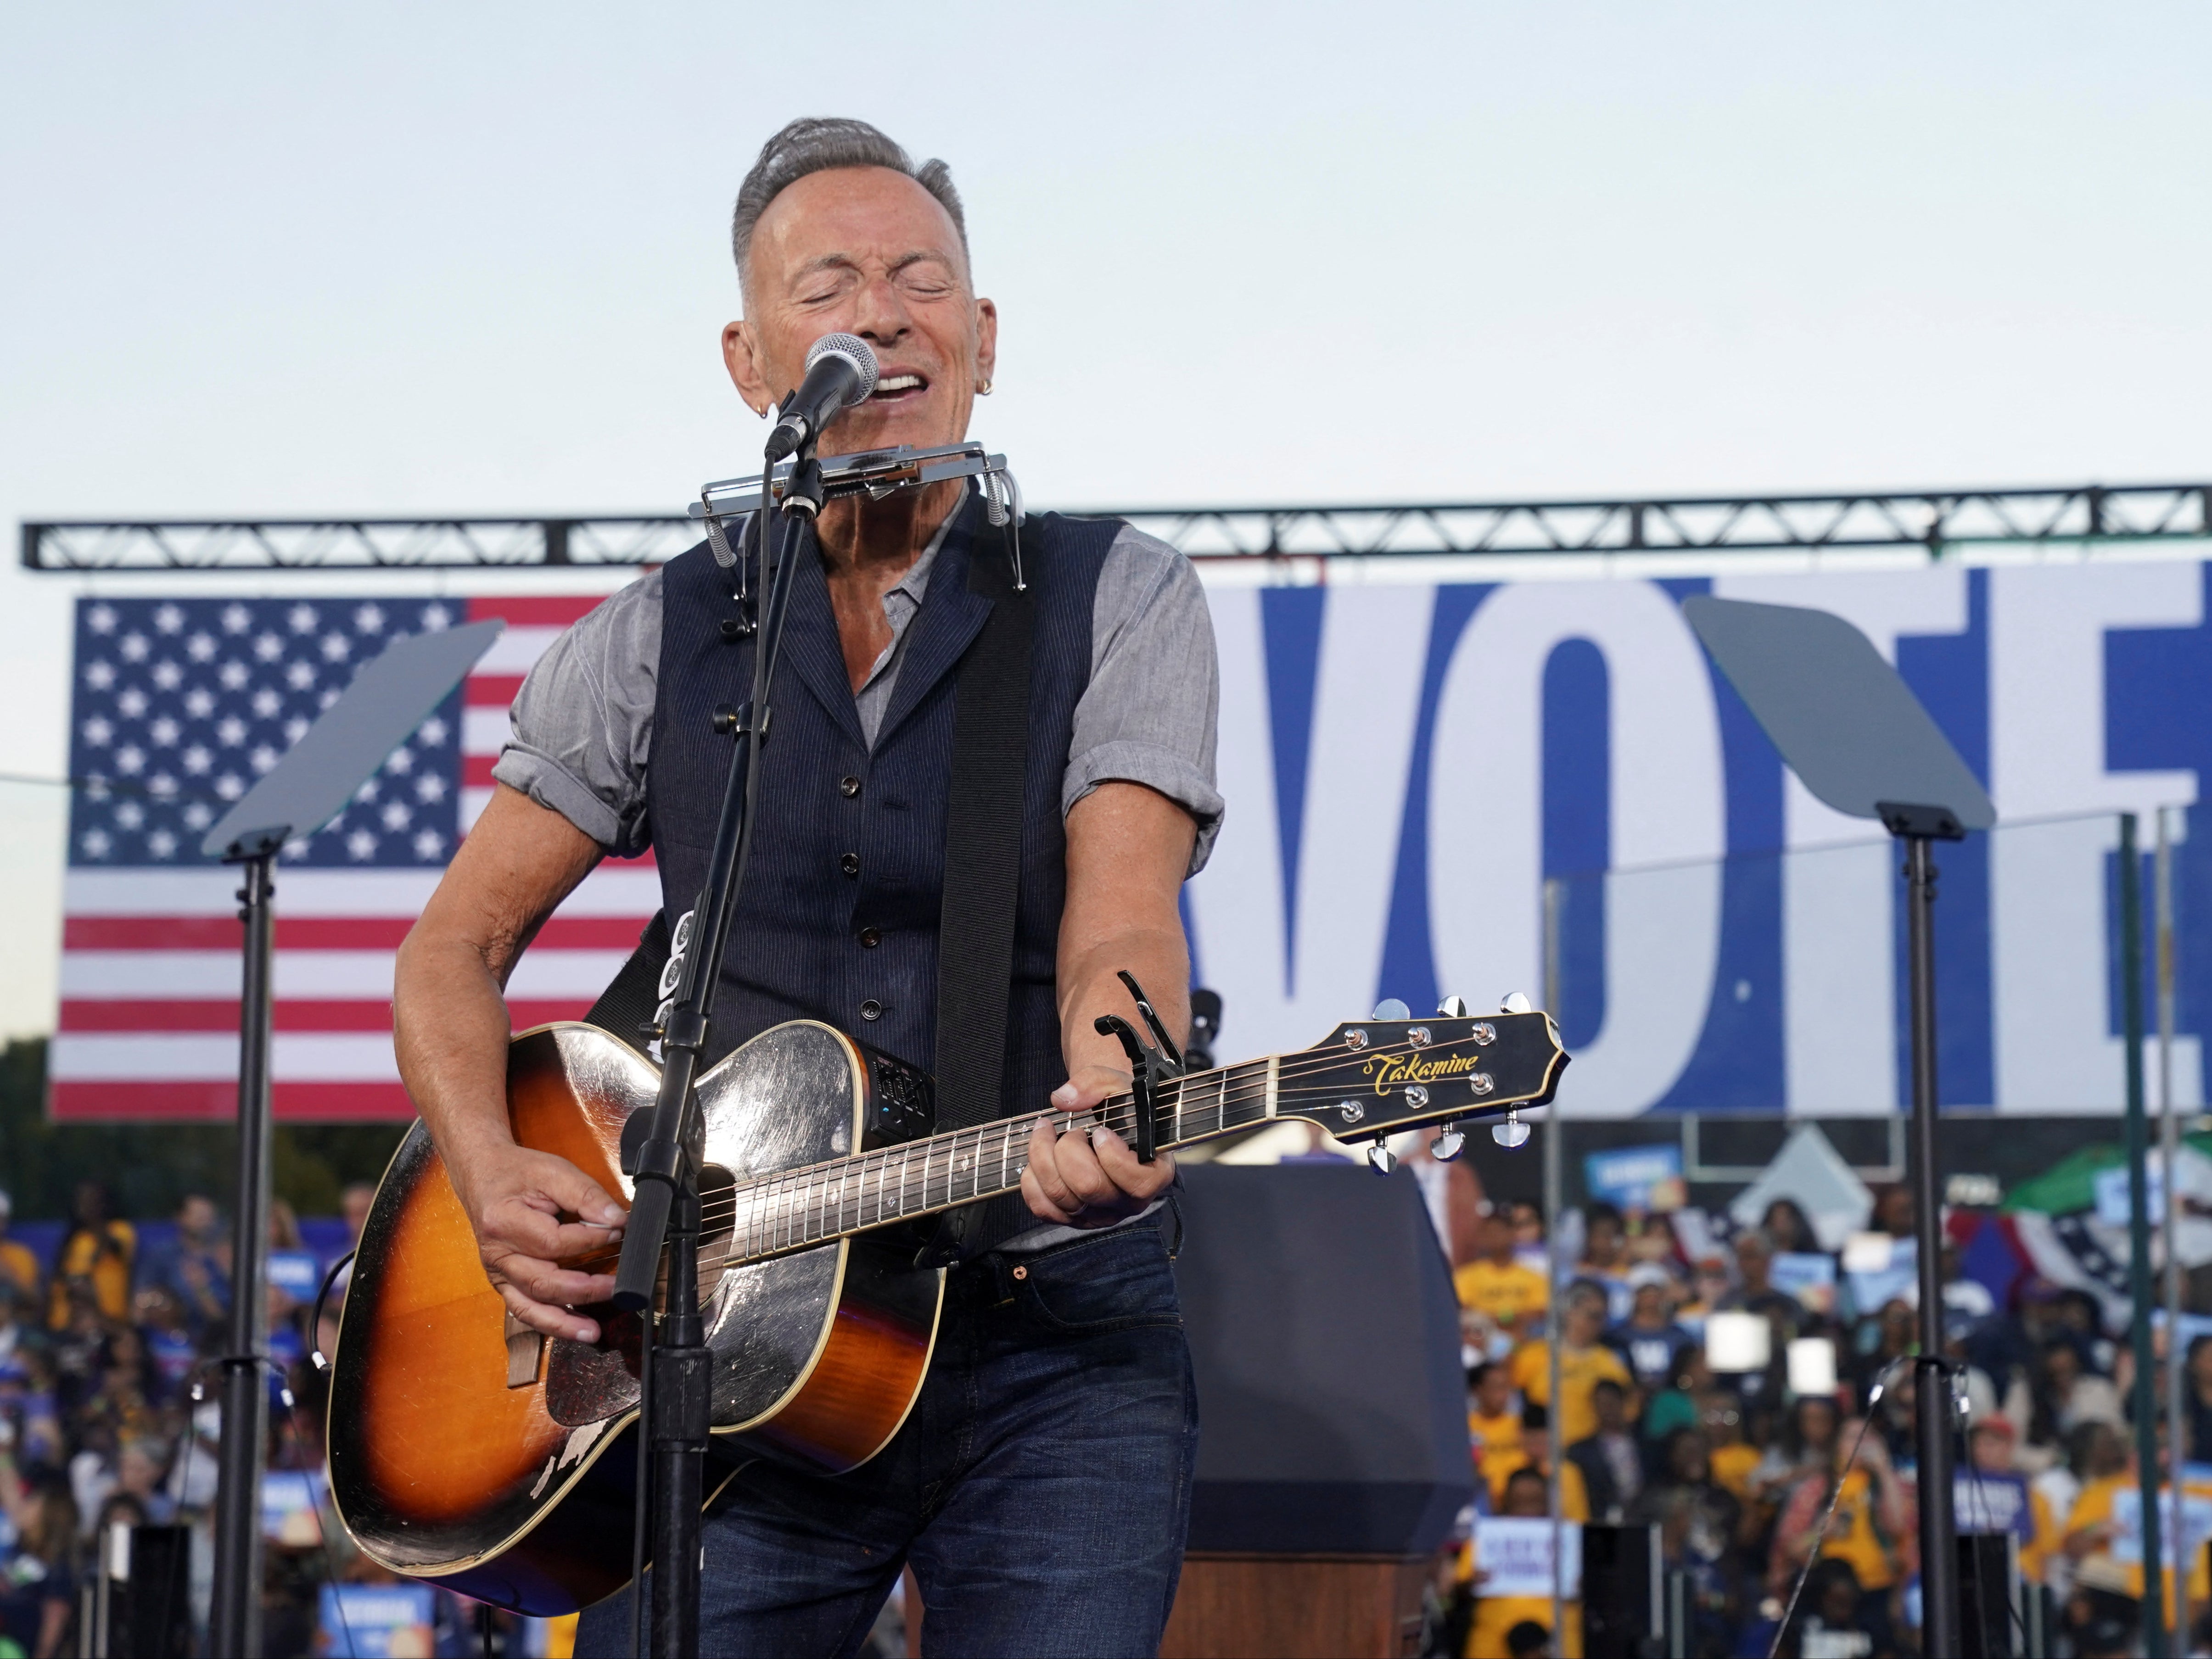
<point>468,1449</point>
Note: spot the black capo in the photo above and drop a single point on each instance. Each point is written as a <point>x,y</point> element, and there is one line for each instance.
<point>1148,1068</point>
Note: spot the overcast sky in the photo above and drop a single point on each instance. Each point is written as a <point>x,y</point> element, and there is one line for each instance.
<point>474,258</point>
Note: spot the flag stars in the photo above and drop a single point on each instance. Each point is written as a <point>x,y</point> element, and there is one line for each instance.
<point>436,619</point>
<point>130,758</point>
<point>130,815</point>
<point>167,676</point>
<point>135,648</point>
<point>230,732</point>
<point>367,792</point>
<point>100,619</point>
<point>99,676</point>
<point>162,844</point>
<point>235,675</point>
<point>400,761</point>
<point>198,759</point>
<point>268,647</point>
<point>97,843</point>
<point>330,696</point>
<point>267,703</point>
<point>428,844</point>
<point>197,816</point>
<point>336,647</point>
<point>201,647</point>
<point>133,704</point>
<point>302,618</point>
<point>300,676</point>
<point>397,814</point>
<point>230,786</point>
<point>431,732</point>
<point>295,728</point>
<point>236,619</point>
<point>99,732</point>
<point>361,844</point>
<point>263,757</point>
<point>429,788</point>
<point>165,733</point>
<point>369,619</point>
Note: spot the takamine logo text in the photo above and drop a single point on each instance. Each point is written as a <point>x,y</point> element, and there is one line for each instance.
<point>1390,1072</point>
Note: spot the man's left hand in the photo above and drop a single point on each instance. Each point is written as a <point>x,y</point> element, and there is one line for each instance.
<point>1093,1179</point>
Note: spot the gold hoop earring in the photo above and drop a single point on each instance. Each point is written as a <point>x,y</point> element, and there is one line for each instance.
<point>982,388</point>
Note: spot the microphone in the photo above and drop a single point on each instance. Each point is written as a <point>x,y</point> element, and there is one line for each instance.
<point>841,373</point>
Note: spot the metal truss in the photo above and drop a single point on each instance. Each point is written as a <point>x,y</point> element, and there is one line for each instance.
<point>1929,519</point>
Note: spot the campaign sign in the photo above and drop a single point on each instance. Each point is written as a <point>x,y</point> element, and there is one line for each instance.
<point>376,1621</point>
<point>1992,1503</point>
<point>2114,1205</point>
<point>2127,1522</point>
<point>1626,1176</point>
<point>296,1273</point>
<point>1515,1555</point>
<point>290,1503</point>
<point>1805,1275</point>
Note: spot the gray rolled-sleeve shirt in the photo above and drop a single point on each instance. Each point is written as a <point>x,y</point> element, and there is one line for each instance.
<point>581,730</point>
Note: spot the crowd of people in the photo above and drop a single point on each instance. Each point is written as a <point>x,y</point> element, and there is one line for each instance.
<point>1800,1465</point>
<point>109,1382</point>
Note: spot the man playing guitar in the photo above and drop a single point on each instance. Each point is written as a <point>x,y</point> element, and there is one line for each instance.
<point>1040,1488</point>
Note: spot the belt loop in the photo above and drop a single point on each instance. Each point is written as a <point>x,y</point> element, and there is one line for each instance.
<point>1174,1216</point>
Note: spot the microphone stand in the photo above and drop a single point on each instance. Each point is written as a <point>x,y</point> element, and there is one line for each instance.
<point>675,1398</point>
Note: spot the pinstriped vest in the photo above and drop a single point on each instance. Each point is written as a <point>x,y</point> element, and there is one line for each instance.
<point>838,919</point>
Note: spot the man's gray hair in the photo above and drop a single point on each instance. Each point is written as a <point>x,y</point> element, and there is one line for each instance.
<point>819,144</point>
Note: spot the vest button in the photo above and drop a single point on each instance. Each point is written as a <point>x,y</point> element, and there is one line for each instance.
<point>849,787</point>
<point>850,864</point>
<point>871,1009</point>
<point>871,937</point>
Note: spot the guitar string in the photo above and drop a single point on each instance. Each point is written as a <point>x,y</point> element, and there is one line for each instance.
<point>788,1206</point>
<point>1117,1112</point>
<point>791,1209</point>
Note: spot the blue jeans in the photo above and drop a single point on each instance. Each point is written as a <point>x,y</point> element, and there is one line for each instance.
<point>1041,1488</point>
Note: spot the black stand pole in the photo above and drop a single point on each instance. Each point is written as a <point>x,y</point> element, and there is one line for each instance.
<point>2143,1404</point>
<point>1918,828</point>
<point>234,1617</point>
<point>665,1170</point>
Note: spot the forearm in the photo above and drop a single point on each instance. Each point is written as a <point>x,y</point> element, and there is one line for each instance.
<point>449,1028</point>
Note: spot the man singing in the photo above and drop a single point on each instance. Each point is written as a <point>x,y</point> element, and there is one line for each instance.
<point>1040,1488</point>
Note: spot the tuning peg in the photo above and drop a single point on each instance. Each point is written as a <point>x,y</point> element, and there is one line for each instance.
<point>1391,1008</point>
<point>1511,1132</point>
<point>1381,1158</point>
<point>1448,1145</point>
<point>1517,1003</point>
<point>1453,1007</point>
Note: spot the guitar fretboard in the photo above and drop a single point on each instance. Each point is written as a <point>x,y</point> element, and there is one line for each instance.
<point>796,1208</point>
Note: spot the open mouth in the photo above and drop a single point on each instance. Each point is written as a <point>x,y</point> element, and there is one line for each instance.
<point>893,387</point>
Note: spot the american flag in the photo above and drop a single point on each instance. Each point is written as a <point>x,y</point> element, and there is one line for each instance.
<point>178,706</point>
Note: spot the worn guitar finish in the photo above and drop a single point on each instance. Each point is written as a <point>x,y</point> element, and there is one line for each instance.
<point>467,1449</point>
<point>520,1496</point>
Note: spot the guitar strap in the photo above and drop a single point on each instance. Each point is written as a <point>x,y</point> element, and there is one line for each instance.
<point>981,889</point>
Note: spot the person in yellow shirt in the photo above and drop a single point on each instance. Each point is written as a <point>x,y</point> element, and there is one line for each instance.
<point>1583,1363</point>
<point>99,1250</point>
<point>1503,1294</point>
<point>1525,1498</point>
<point>1731,1461</point>
<point>2104,1535</point>
<point>1493,1422</point>
<point>1872,1524</point>
<point>1533,1450</point>
<point>17,1264</point>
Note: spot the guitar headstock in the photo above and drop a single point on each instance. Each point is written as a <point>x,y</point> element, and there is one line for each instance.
<point>1372,1077</point>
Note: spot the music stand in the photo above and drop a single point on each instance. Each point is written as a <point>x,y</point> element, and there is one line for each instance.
<point>387,700</point>
<point>1852,730</point>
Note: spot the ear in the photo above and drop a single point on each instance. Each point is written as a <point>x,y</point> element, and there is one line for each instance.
<point>739,353</point>
<point>986,339</point>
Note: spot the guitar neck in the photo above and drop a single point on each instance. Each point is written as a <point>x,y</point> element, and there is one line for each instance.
<point>798,1208</point>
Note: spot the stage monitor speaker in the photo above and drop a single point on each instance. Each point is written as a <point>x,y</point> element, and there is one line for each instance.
<point>1988,1595</point>
<point>138,1605</point>
<point>1624,1602</point>
<point>1325,1338</point>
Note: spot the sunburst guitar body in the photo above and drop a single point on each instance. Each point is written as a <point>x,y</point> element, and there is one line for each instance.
<point>470,1450</point>
<point>467,1449</point>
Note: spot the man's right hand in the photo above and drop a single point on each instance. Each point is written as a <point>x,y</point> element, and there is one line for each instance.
<point>531,1212</point>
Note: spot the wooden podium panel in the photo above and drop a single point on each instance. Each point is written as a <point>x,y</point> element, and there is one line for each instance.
<point>1296,1606</point>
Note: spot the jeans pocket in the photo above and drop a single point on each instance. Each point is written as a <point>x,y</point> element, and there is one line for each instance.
<point>1119,1280</point>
